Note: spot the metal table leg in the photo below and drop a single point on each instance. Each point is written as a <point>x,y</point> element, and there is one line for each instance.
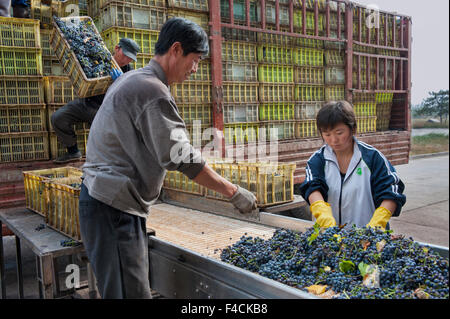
<point>2,264</point>
<point>19,267</point>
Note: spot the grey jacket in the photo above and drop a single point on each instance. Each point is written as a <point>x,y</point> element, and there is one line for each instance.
<point>135,137</point>
<point>5,8</point>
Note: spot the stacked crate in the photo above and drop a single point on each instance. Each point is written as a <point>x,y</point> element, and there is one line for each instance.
<point>23,129</point>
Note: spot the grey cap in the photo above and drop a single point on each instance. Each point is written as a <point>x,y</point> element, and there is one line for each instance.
<point>129,48</point>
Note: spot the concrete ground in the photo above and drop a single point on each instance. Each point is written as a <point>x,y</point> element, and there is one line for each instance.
<point>425,218</point>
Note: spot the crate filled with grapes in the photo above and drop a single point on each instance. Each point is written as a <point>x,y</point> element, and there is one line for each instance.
<point>83,55</point>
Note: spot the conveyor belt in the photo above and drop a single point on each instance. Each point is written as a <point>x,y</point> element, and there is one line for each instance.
<point>201,232</point>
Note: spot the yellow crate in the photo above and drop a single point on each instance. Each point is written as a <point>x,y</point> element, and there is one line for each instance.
<point>275,92</point>
<point>307,42</point>
<point>23,118</point>
<point>52,108</point>
<point>57,149</point>
<point>47,50</point>
<point>36,197</point>
<point>121,14</point>
<point>203,71</point>
<point>52,67</point>
<point>192,92</point>
<point>42,12</point>
<point>141,60</point>
<point>146,39</point>
<point>309,75</point>
<point>196,112</point>
<point>239,71</point>
<point>309,93</point>
<point>202,19</point>
<point>310,20</point>
<point>364,97</point>
<point>178,181</point>
<point>58,90</point>
<point>238,51</point>
<point>239,35</point>
<point>383,113</point>
<point>276,112</point>
<point>240,92</point>
<point>275,54</point>
<point>384,97</point>
<point>16,32</point>
<point>240,133</point>
<point>363,80</point>
<point>271,183</point>
<point>199,5</point>
<point>366,124</point>
<point>307,110</point>
<point>334,75</point>
<point>365,108</point>
<point>22,90</point>
<point>277,131</point>
<point>199,134</point>
<point>20,61</point>
<point>274,39</point>
<point>334,93</point>
<point>84,87</point>
<point>240,113</point>
<point>309,57</point>
<point>274,73</point>
<point>334,58</point>
<point>306,129</point>
<point>94,6</point>
<point>18,147</point>
<point>62,210</point>
<point>66,8</point>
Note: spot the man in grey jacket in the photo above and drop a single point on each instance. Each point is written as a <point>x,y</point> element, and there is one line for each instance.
<point>135,137</point>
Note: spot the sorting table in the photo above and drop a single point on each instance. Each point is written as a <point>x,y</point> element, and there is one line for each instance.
<point>45,244</point>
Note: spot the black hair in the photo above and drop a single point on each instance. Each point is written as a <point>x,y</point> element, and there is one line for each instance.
<point>192,37</point>
<point>333,113</point>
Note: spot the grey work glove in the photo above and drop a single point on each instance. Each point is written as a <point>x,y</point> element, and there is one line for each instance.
<point>243,200</point>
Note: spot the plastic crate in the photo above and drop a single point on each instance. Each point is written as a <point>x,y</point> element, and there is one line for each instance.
<point>274,39</point>
<point>180,182</point>
<point>239,71</point>
<point>239,35</point>
<point>309,57</point>
<point>306,42</point>
<point>271,183</point>
<point>240,113</point>
<point>309,93</point>
<point>42,12</point>
<point>192,92</point>
<point>203,71</point>
<point>240,92</point>
<point>62,208</point>
<point>239,51</point>
<point>120,14</point>
<point>274,73</point>
<point>20,61</point>
<point>17,147</point>
<point>94,6</point>
<point>239,12</point>
<point>307,110</point>
<point>196,112</point>
<point>23,90</point>
<point>240,133</point>
<point>364,97</point>
<point>66,8</point>
<point>310,20</point>
<point>365,108</point>
<point>199,134</point>
<point>36,196</point>
<point>198,5</point>
<point>283,14</point>
<point>384,97</point>
<point>52,67</point>
<point>334,75</point>
<point>275,92</point>
<point>277,131</point>
<point>23,118</point>
<point>306,129</point>
<point>146,39</point>
<point>334,58</point>
<point>83,86</point>
<point>23,33</point>
<point>309,75</point>
<point>52,108</point>
<point>275,54</point>
<point>57,149</point>
<point>141,60</point>
<point>47,50</point>
<point>334,93</point>
<point>276,111</point>
<point>366,124</point>
<point>363,80</point>
<point>58,90</point>
<point>383,113</point>
<point>202,19</point>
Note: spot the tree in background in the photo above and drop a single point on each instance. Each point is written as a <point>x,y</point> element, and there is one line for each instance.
<point>434,105</point>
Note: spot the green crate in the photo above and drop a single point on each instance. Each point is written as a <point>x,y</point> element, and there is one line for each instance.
<point>23,33</point>
<point>274,73</point>
<point>275,54</point>
<point>306,129</point>
<point>146,39</point>
<point>276,111</point>
<point>23,61</point>
<point>23,90</point>
<point>366,124</point>
<point>18,147</point>
<point>23,118</point>
<point>365,108</point>
<point>310,20</point>
<point>309,57</point>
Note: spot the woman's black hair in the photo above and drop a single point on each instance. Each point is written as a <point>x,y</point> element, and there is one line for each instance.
<point>333,113</point>
<point>192,37</point>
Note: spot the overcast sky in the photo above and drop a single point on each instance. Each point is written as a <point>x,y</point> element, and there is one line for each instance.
<point>430,49</point>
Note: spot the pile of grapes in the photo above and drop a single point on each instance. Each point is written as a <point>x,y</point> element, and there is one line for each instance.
<point>345,263</point>
<point>87,45</point>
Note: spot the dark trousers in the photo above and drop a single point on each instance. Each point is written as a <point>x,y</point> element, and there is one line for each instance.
<point>63,120</point>
<point>116,244</point>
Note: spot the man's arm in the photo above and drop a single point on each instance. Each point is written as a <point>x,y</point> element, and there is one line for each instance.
<point>210,179</point>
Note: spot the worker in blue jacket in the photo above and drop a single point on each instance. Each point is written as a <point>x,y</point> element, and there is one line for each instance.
<point>348,181</point>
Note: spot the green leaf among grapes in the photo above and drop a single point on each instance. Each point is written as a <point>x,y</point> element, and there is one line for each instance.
<point>346,266</point>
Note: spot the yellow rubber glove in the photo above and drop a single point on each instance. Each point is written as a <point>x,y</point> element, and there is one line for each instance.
<point>321,210</point>
<point>380,218</point>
